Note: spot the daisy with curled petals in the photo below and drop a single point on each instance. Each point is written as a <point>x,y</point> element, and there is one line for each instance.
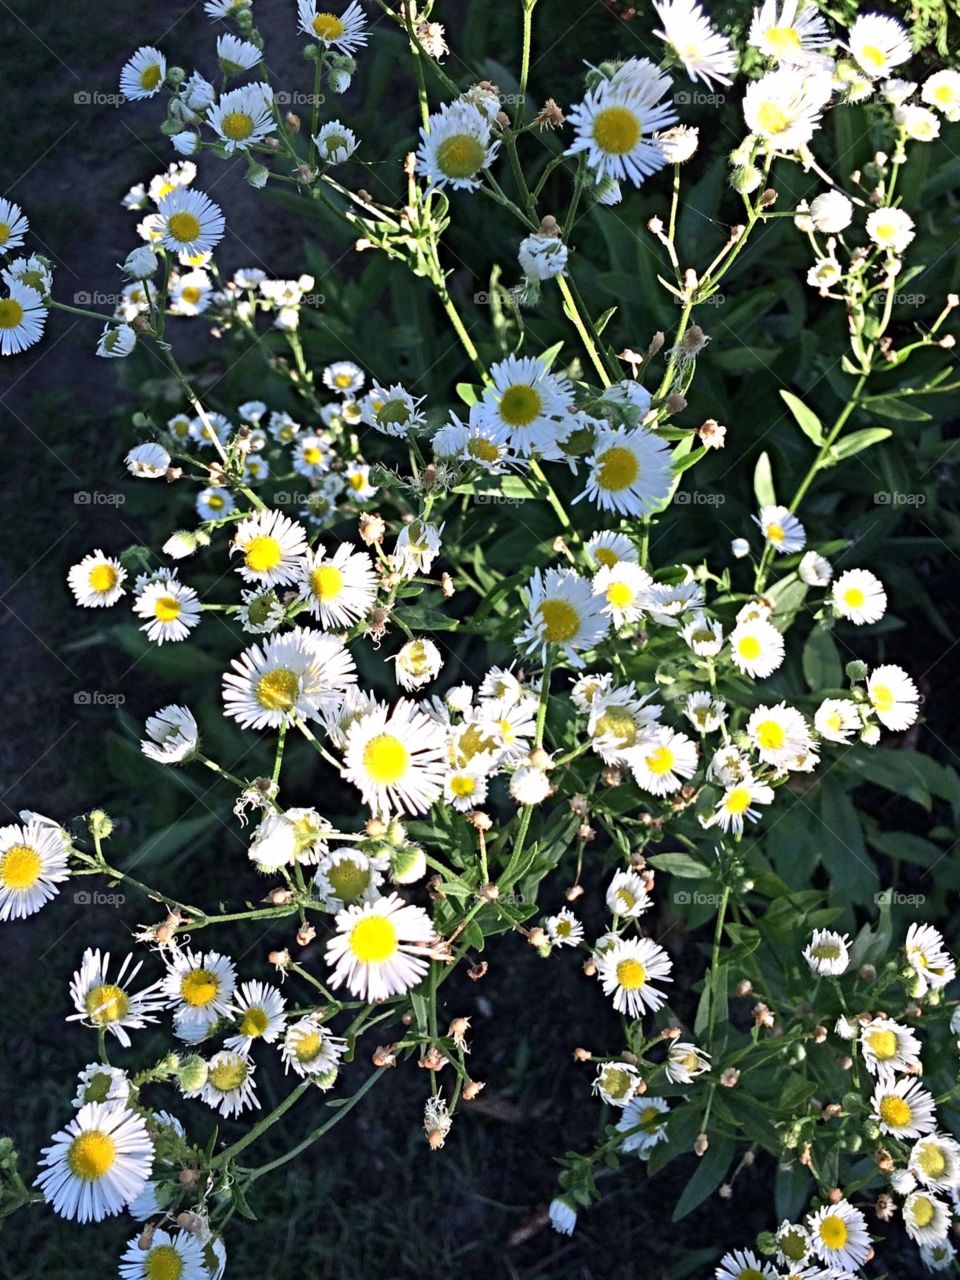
<point>564,929</point>
<point>340,589</point>
<point>889,1047</point>
<point>879,44</point>
<point>928,957</point>
<point>893,696</point>
<point>380,949</point>
<point>736,805</point>
<point>703,635</point>
<point>309,1049</point>
<point>22,317</point>
<point>783,107</point>
<point>616,1083</point>
<point>706,53</point>
<point>628,970</point>
<point>299,674</point>
<point>926,1218</point>
<point>941,90</point>
<point>143,75</point>
<point>243,117</point>
<point>13,226</point>
<point>935,1161</point>
<point>457,147</point>
<point>827,953</point>
<point>172,736</point>
<point>563,611</point>
<point>33,271</point>
<point>344,31</point>
<point>344,377</point>
<point>903,1108</point>
<point>705,712</point>
<point>616,121</point>
<point>236,55</point>
<point>625,590</point>
<point>189,222</point>
<point>171,610</point>
<point>618,720</point>
<point>839,1236</point>
<point>644,1124</point>
<point>147,461</point>
<point>199,987</point>
<point>33,861</point>
<point>99,1083</point>
<point>98,1164</point>
<point>110,1005</point>
<point>168,1256</point>
<point>628,472</point>
<point>335,143</point>
<point>779,734</point>
<point>392,410</point>
<point>685,1061</point>
<point>485,444</point>
<point>273,548</point>
<point>837,720</point>
<point>741,1264</point>
<point>259,1010</point>
<point>890,229</point>
<point>662,762</point>
<point>782,530</point>
<point>346,876</point>
<point>608,548</point>
<point>756,648</point>
<point>228,1086</point>
<point>627,895</point>
<point>859,597</point>
<point>527,400</point>
<point>396,757</point>
<point>790,31</point>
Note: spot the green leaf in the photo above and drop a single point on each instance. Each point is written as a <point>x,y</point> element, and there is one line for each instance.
<point>822,668</point>
<point>806,419</point>
<point>763,482</point>
<point>680,864</point>
<point>791,1188</point>
<point>857,441</point>
<point>899,410</point>
<point>707,1176</point>
<point>468,393</point>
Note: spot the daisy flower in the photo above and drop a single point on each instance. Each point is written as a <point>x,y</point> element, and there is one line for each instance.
<point>608,548</point>
<point>309,1049</point>
<point>616,1083</point>
<point>375,951</point>
<point>178,1255</point>
<point>143,75</point>
<point>789,31</point>
<point>779,734</point>
<point>417,663</point>
<point>117,341</point>
<point>347,876</point>
<point>737,804</point>
<point>542,257</point>
<point>189,221</point>
<point>340,589</point>
<point>147,461</point>
<point>783,107</point>
<point>13,226</point>
<point>929,958</point>
<point>827,953</point>
<point>888,1047</point>
<point>893,696</point>
<point>563,1216</point>
<point>741,1264</point>
<point>229,1086</point>
<point>837,720</point>
<point>529,785</point>
<point>706,54</point>
<point>236,55</point>
<point>335,143</point>
<point>344,377</point>
<point>903,1108</point>
<point>941,90</point>
<point>357,477</point>
<point>526,400</point>
<point>926,1218</point>
<point>627,895</point>
<point>98,1164</point>
<point>782,530</point>
<point>396,758</point>
<point>685,1062</point>
<point>110,1005</point>
<point>456,148</point>
<point>259,1010</point>
<point>273,548</point>
<point>301,674</point>
<point>311,456</point>
<point>859,597</point>
<point>703,635</point>
<point>879,44</point>
<point>705,712</point>
<point>243,117</point>
<point>172,736</point>
<point>615,123</point>
<point>815,570</point>
<point>839,1237</point>
<point>22,317</point>
<point>564,929</point>
<point>661,763</point>
<point>417,546</point>
<point>190,294</point>
<point>935,1161</point>
<point>563,611</point>
<point>171,610</point>
<point>890,229</point>
<point>33,861</point>
<point>644,1124</point>
<point>628,472</point>
<point>466,787</point>
<point>391,410</point>
<point>199,987</point>
<point>625,589</point>
<point>486,444</point>
<point>617,722</point>
<point>33,271</point>
<point>214,504</point>
<point>627,973</point>
<point>343,31</point>
<point>756,648</point>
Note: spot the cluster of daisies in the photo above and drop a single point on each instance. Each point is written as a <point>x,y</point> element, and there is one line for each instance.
<point>26,283</point>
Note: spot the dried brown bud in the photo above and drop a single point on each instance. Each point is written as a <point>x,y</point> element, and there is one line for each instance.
<point>472,1088</point>
<point>305,935</point>
<point>478,971</point>
<point>279,959</point>
<point>885,1208</point>
<point>768,199</point>
<point>550,116</point>
<point>279,897</point>
<point>372,528</point>
<point>701,1144</point>
<point>582,1055</point>
<point>479,820</point>
<point>432,1060</point>
<point>446,586</point>
<point>385,1055</point>
<point>573,893</point>
<point>537,938</point>
<point>730,1077</point>
<point>712,434</point>
<point>675,403</point>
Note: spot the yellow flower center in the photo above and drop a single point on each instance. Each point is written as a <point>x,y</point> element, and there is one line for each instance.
<point>237,125</point>
<point>327,26</point>
<point>750,1273</point>
<point>775,532</point>
<point>183,227</point>
<point>834,721</point>
<point>373,939</point>
<point>616,130</point>
<point>882,697</point>
<point>326,582</point>
<point>520,405</point>
<point>199,987</point>
<point>254,1022</point>
<point>872,57</point>
<point>277,690</point>
<point>604,556</point>
<point>737,800</point>
<point>91,1155</point>
<point>883,1044</point>
<point>462,785</point>
<point>386,759</point>
<point>854,597</point>
<point>20,867</point>
<point>771,118</point>
<point>343,380</point>
<point>163,1263</point>
<point>483,450</point>
<point>229,1075</point>
<point>166,608</point>
<point>660,761</point>
<point>771,735</point>
<point>749,647</point>
<point>191,294</point>
<point>931,1160</point>
<point>106,1003</point>
<point>617,1082</point>
<point>631,974</point>
<point>308,1046</point>
<point>833,1232</point>
<point>4,232</point>
<point>618,469</point>
<point>924,1211</point>
<point>943,94</point>
<point>619,595</point>
<point>884,231</point>
<point>826,951</point>
<point>348,880</point>
<point>394,412</point>
<point>262,553</point>
<point>895,1112</point>
<point>150,76</point>
<point>651,1119</point>
<point>561,621</point>
<point>461,155</point>
<point>311,454</point>
<point>357,481</point>
<point>783,39</point>
<point>11,312</point>
<point>619,724</point>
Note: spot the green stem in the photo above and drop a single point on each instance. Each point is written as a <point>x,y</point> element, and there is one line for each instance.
<point>261,1126</point>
